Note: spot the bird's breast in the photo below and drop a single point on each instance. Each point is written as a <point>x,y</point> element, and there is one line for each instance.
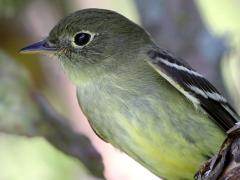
<point>152,122</point>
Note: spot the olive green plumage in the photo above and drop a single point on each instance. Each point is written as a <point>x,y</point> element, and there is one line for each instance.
<point>128,102</point>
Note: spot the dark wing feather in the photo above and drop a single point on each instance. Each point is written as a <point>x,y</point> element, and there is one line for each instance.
<point>193,84</point>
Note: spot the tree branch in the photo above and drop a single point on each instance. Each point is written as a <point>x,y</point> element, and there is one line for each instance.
<point>225,165</point>
<point>27,113</point>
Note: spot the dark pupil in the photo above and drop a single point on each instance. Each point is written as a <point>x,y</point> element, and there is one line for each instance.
<point>82,39</point>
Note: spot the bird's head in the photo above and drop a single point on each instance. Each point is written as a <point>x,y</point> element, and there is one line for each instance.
<point>89,40</point>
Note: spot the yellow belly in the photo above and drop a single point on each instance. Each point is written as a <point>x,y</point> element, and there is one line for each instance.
<point>162,130</point>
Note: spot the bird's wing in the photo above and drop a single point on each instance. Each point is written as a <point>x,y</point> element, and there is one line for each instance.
<point>194,86</point>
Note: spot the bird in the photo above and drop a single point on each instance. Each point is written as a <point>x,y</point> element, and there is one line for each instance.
<point>137,96</point>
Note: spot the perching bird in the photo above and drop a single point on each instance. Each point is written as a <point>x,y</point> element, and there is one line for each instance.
<point>138,97</point>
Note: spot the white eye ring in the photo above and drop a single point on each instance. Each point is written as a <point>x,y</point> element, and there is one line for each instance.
<point>82,38</point>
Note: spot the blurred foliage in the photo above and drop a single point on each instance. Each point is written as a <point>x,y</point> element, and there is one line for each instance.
<point>223,19</point>
<point>25,112</point>
<point>231,67</point>
<point>18,113</point>
<point>9,8</point>
<point>35,159</point>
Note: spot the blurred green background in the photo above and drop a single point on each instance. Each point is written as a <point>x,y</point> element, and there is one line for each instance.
<point>35,159</point>
<point>26,21</point>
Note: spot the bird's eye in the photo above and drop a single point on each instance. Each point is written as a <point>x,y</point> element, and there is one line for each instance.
<point>82,38</point>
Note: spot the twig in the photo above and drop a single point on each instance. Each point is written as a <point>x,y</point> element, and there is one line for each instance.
<point>226,164</point>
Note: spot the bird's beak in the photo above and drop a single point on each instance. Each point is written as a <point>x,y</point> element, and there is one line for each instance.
<point>40,47</point>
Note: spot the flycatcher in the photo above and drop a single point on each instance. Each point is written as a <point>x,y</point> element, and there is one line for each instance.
<point>138,97</point>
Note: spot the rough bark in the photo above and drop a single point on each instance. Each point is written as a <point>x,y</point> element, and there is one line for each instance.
<point>225,165</point>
